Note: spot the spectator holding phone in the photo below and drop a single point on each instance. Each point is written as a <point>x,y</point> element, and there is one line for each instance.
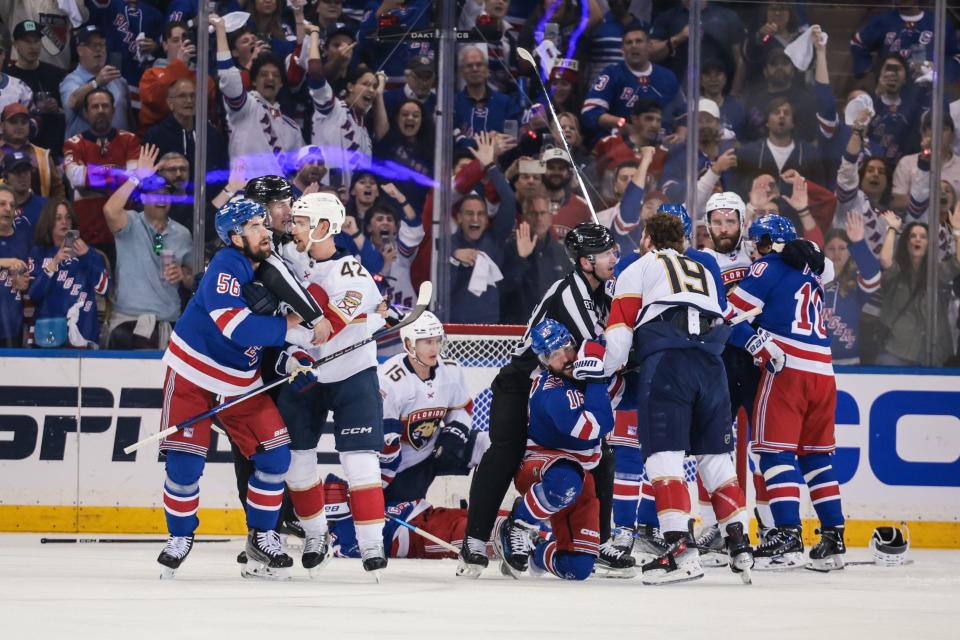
<point>59,256</point>
<point>92,72</point>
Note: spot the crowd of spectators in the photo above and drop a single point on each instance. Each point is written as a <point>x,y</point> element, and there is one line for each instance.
<point>99,144</point>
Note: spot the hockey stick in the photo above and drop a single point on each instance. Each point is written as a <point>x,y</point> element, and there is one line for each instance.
<point>420,532</point>
<point>746,315</point>
<point>423,300</point>
<point>113,540</point>
<point>526,55</point>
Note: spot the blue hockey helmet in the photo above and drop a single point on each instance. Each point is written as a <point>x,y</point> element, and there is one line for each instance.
<point>679,211</point>
<point>549,336</point>
<point>772,228</point>
<point>232,216</point>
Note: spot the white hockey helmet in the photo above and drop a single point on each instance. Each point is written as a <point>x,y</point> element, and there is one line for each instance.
<point>317,207</point>
<point>726,200</point>
<point>889,546</point>
<point>426,326</point>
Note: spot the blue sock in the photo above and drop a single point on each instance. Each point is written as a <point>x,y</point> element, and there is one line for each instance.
<point>265,488</point>
<point>566,565</point>
<point>181,492</point>
<point>824,489</point>
<point>783,486</point>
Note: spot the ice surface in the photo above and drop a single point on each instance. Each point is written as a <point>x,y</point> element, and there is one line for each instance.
<point>107,591</point>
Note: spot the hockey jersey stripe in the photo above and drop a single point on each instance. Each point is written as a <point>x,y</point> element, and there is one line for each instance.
<point>180,352</point>
<point>227,320</point>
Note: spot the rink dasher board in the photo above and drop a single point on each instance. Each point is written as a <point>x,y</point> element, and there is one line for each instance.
<point>898,455</point>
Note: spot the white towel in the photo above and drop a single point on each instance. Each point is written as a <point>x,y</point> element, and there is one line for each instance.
<point>800,51</point>
<point>862,103</point>
<point>549,55</point>
<point>485,274</point>
<point>69,7</point>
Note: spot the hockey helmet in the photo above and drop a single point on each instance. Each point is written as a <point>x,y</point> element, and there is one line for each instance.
<point>266,189</point>
<point>679,211</point>
<point>772,229</point>
<point>889,546</point>
<point>317,207</point>
<point>726,200</point>
<point>234,214</point>
<point>426,326</point>
<point>586,240</point>
<point>549,336</point>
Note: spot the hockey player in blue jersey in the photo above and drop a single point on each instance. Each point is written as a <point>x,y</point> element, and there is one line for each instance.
<point>568,420</point>
<point>214,352</point>
<point>793,418</point>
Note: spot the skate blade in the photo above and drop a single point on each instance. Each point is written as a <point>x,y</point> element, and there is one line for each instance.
<point>166,573</point>
<point>465,570</point>
<point>654,581</point>
<point>610,572</point>
<point>377,575</point>
<point>826,565</point>
<point>714,560</point>
<point>785,563</point>
<point>745,576</point>
<point>509,571</point>
<point>263,572</point>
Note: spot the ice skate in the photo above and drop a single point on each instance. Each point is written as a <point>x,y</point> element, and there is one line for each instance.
<point>472,559</point>
<point>513,540</point>
<point>374,560</point>
<point>648,543</point>
<point>782,549</point>
<point>316,553</point>
<point>265,557</point>
<point>740,552</point>
<point>615,560</point>
<point>711,548</point>
<point>680,564</point>
<point>827,554</point>
<point>174,553</point>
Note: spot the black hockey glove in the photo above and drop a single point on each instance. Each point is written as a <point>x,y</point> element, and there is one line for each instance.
<point>801,253</point>
<point>259,298</point>
<point>453,449</point>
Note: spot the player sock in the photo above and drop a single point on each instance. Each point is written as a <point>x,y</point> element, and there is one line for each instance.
<point>824,489</point>
<point>307,492</point>
<point>729,505</point>
<point>783,480</point>
<point>566,565</point>
<point>647,511</point>
<point>626,499</point>
<point>673,503</point>
<point>367,505</point>
<point>763,500</point>
<point>264,497</point>
<point>181,492</point>
<point>707,516</point>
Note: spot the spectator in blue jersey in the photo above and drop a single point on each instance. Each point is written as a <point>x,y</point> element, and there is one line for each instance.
<point>722,34</point>
<point>479,243</point>
<point>133,29</point>
<point>92,72</point>
<point>153,260</point>
<point>184,10</point>
<point>18,175</point>
<point>714,86</point>
<point>619,86</point>
<point>484,20</point>
<point>856,282</point>
<point>779,75</point>
<point>409,144</point>
<point>419,85</point>
<point>14,272</point>
<point>606,38</point>
<point>906,30</point>
<point>59,258</point>
<point>899,105</point>
<point>477,108</point>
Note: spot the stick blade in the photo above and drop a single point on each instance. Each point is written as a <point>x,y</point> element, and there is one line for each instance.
<point>526,55</point>
<point>425,295</point>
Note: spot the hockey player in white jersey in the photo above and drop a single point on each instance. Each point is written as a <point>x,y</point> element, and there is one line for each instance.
<point>348,388</point>
<point>664,318</point>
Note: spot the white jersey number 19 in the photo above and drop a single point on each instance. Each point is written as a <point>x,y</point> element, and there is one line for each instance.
<point>693,279</point>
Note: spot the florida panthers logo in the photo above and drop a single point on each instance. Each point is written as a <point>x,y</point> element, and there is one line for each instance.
<point>420,427</point>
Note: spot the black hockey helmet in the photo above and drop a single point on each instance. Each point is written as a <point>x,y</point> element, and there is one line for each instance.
<point>586,240</point>
<point>266,189</point>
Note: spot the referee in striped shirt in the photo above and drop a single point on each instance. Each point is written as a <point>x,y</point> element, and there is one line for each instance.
<point>580,302</point>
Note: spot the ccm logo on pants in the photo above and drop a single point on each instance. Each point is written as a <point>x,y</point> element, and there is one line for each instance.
<point>352,431</point>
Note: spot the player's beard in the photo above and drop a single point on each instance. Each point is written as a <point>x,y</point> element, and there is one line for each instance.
<point>257,255</point>
<point>725,244</point>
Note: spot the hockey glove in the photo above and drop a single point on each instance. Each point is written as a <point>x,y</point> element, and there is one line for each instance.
<point>766,352</point>
<point>259,298</point>
<point>297,363</point>
<point>453,449</point>
<point>589,362</point>
<point>802,253</point>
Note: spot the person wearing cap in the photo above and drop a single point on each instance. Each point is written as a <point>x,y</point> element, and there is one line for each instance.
<point>174,65</point>
<point>15,126</point>
<point>175,134</point>
<point>721,36</point>
<point>568,208</point>
<point>527,175</point>
<point>563,84</point>
<point>642,130</point>
<point>153,260</point>
<point>94,163</point>
<point>607,37</point>
<point>420,83</point>
<point>92,72</point>
<point>477,107</point>
<point>310,169</point>
<point>55,17</point>
<point>339,48</point>
<point>486,18</point>
<point>17,170</point>
<point>43,79</point>
<point>12,89</point>
<point>716,159</point>
<point>713,85</point>
<point>778,75</point>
